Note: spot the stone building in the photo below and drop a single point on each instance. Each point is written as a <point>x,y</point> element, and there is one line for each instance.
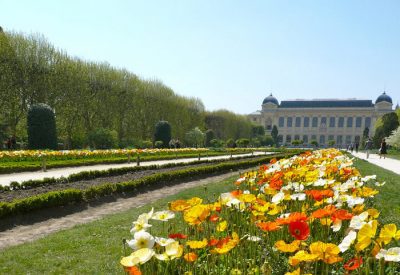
<point>340,120</point>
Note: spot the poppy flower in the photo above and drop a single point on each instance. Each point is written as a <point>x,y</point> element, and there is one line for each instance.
<point>190,257</point>
<point>319,195</point>
<point>300,230</point>
<point>213,242</point>
<point>293,217</point>
<point>133,270</point>
<point>353,264</point>
<point>177,236</point>
<point>214,218</point>
<point>268,226</point>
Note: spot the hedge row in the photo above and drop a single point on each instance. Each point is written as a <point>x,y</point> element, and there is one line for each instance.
<point>70,196</point>
<point>93,174</point>
<point>15,167</point>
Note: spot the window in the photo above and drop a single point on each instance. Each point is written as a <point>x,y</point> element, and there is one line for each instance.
<point>331,137</point>
<point>298,121</point>
<point>323,120</point>
<point>289,122</point>
<point>296,137</point>
<point>305,139</point>
<point>357,139</point>
<point>349,122</point>
<point>358,122</point>
<point>368,122</point>
<point>281,121</point>
<point>314,122</point>
<point>280,138</point>
<point>348,139</point>
<point>322,139</point>
<point>313,137</point>
<point>268,127</point>
<point>341,122</point>
<point>254,119</point>
<point>288,139</point>
<point>306,122</point>
<point>332,121</point>
<point>339,139</point>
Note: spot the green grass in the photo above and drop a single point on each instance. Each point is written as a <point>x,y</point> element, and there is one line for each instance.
<point>395,154</point>
<point>388,199</point>
<point>94,248</point>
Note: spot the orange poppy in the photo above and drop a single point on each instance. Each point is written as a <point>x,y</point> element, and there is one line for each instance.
<point>326,211</point>
<point>320,194</point>
<point>177,236</point>
<point>190,257</point>
<point>133,270</point>
<point>212,242</point>
<point>341,214</point>
<point>268,226</point>
<point>214,218</point>
<point>236,192</point>
<point>353,264</point>
<point>293,217</point>
<point>300,230</point>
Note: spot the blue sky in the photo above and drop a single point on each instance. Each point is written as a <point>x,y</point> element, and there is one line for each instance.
<point>231,54</point>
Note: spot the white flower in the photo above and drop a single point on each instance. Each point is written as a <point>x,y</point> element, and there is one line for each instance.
<point>298,196</point>
<point>390,255</point>
<point>367,178</point>
<point>172,251</point>
<point>348,241</point>
<point>140,256</point>
<point>140,225</point>
<point>380,183</point>
<point>164,215</point>
<point>164,241</point>
<point>254,238</point>
<point>278,197</point>
<point>337,224</point>
<point>358,221</point>
<point>141,239</point>
<point>352,201</point>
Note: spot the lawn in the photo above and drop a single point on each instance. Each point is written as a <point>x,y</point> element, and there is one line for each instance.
<point>91,248</point>
<point>97,247</point>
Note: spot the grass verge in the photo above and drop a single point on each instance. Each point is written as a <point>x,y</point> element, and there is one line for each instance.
<point>94,248</point>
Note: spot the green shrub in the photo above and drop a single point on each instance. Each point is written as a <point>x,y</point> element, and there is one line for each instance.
<point>210,135</point>
<point>41,127</point>
<point>158,144</point>
<point>102,139</point>
<point>163,132</point>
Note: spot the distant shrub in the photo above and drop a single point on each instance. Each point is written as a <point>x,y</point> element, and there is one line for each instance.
<point>102,139</point>
<point>41,127</point>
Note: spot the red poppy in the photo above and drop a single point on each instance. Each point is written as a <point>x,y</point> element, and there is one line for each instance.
<point>213,242</point>
<point>236,192</point>
<point>342,214</point>
<point>300,230</point>
<point>353,264</point>
<point>177,236</point>
<point>214,218</point>
<point>133,270</point>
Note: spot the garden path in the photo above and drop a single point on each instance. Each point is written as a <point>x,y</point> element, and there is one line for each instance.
<point>6,179</point>
<point>387,163</point>
<point>27,233</point>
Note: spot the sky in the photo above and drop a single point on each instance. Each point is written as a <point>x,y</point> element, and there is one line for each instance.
<point>230,54</point>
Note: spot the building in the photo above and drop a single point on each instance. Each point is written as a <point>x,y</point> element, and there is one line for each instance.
<point>323,120</point>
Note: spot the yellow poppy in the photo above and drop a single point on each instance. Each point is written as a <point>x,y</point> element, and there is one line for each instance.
<point>288,247</point>
<point>197,244</point>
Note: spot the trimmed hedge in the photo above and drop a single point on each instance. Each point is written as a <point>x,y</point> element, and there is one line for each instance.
<point>88,175</point>
<point>70,196</point>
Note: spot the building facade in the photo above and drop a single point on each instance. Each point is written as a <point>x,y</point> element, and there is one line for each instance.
<point>323,120</point>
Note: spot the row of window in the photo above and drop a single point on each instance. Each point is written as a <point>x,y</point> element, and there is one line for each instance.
<point>333,121</point>
<point>323,139</point>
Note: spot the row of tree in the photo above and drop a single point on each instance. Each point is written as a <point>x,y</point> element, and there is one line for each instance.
<point>88,97</point>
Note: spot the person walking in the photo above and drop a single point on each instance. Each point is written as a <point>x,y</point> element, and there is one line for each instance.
<point>368,146</point>
<point>357,144</point>
<point>383,149</point>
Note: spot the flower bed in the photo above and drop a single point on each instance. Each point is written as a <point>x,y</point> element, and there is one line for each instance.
<point>308,214</point>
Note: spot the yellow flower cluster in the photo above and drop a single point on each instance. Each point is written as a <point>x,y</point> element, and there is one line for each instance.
<point>308,214</point>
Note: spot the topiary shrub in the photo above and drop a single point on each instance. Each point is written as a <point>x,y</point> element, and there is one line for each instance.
<point>163,132</point>
<point>102,138</point>
<point>41,127</point>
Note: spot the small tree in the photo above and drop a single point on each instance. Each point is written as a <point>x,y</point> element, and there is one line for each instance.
<point>230,143</point>
<point>365,136</point>
<point>274,134</point>
<point>388,123</point>
<point>41,127</point>
<point>102,138</point>
<point>195,137</point>
<point>163,132</point>
<point>242,142</point>
<point>394,138</point>
<point>331,142</point>
<point>210,135</point>
<point>314,143</point>
<point>216,143</point>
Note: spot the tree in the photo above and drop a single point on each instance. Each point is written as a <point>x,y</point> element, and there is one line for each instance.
<point>274,134</point>
<point>163,133</point>
<point>388,123</point>
<point>314,143</point>
<point>394,138</point>
<point>41,127</point>
<point>243,142</point>
<point>257,130</point>
<point>103,139</point>
<point>195,137</point>
<point>210,135</point>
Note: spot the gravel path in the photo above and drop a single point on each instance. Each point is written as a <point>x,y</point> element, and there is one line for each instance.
<point>27,233</point>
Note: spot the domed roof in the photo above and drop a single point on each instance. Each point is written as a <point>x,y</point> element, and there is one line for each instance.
<point>384,97</point>
<point>271,99</point>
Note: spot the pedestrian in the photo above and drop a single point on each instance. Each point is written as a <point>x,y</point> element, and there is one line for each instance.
<point>383,149</point>
<point>357,147</point>
<point>8,143</point>
<point>13,142</point>
<point>351,147</point>
<point>368,146</point>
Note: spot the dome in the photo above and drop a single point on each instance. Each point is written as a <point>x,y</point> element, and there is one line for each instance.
<point>384,97</point>
<point>270,99</point>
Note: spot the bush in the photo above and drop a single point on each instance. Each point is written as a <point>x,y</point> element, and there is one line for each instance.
<point>230,143</point>
<point>158,144</point>
<point>41,127</point>
<point>163,132</point>
<point>210,135</point>
<point>314,143</point>
<point>242,142</point>
<point>102,139</point>
<point>216,143</point>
